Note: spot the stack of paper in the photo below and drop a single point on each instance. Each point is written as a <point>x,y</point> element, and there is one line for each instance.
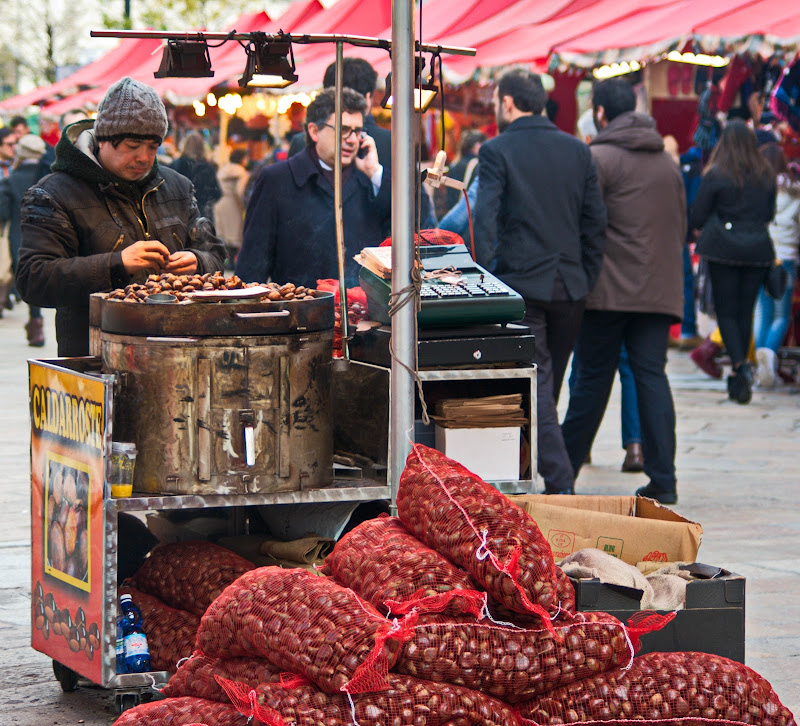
<point>377,260</point>
<point>480,413</point>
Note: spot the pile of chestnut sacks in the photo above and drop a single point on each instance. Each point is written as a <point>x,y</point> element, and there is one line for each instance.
<point>454,613</point>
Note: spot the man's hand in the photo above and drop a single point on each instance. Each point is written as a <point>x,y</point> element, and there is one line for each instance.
<point>182,263</point>
<point>145,255</point>
<point>370,164</point>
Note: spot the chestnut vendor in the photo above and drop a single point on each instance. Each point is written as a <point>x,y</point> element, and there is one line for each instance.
<point>108,215</point>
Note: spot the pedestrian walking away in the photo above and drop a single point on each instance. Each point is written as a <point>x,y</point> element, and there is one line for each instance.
<point>638,295</point>
<point>733,207</point>
<point>544,209</point>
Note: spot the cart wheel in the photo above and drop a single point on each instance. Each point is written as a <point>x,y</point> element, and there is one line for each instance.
<point>65,676</point>
<point>125,701</point>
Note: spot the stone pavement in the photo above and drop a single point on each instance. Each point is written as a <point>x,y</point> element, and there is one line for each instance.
<point>737,476</point>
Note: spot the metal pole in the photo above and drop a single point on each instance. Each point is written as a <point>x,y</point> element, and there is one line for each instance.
<point>337,203</point>
<point>401,403</point>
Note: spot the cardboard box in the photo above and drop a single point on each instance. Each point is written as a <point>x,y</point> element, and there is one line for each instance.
<point>712,620</point>
<point>490,453</point>
<point>634,529</point>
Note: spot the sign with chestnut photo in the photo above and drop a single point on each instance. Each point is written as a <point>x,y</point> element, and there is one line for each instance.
<point>70,415</point>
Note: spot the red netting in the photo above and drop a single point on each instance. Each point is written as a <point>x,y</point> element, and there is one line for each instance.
<point>382,561</point>
<point>477,528</point>
<point>304,624</point>
<point>170,632</point>
<point>664,689</point>
<point>432,237</point>
<point>406,702</point>
<point>189,575</point>
<point>182,712</point>
<point>566,599</point>
<point>514,664</point>
<point>195,677</point>
<point>357,310</point>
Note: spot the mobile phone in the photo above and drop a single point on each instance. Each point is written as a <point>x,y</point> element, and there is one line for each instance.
<point>362,152</point>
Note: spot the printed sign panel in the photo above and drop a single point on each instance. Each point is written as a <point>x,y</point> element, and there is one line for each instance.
<point>70,417</point>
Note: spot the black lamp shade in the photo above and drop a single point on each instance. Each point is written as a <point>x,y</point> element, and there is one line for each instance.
<point>185,59</point>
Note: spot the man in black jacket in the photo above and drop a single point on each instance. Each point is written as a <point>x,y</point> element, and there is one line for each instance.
<point>108,216</point>
<point>540,225</point>
<point>289,226</point>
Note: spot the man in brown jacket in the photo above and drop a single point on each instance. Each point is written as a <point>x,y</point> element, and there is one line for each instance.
<point>639,292</point>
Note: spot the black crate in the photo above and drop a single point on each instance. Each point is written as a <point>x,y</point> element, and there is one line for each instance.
<point>711,622</point>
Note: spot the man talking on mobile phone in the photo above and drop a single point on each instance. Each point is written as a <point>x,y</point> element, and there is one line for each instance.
<point>289,226</point>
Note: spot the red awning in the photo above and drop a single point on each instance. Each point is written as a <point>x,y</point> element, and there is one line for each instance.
<point>130,52</point>
<point>646,34</point>
<point>530,41</point>
<point>776,18</point>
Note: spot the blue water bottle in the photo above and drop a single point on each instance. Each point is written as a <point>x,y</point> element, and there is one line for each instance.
<point>120,647</point>
<point>136,651</point>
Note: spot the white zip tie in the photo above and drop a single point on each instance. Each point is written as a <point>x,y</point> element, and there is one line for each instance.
<point>183,660</point>
<point>630,645</point>
<point>352,708</point>
<point>483,552</point>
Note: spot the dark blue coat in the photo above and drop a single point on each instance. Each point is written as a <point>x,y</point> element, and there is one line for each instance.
<point>290,230</point>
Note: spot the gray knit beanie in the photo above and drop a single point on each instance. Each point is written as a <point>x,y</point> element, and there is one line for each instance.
<point>131,109</point>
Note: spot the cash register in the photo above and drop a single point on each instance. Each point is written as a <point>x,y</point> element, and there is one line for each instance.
<point>455,291</point>
<point>467,315</point>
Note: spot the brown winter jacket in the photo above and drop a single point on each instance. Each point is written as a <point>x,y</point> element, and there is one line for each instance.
<point>643,192</point>
<point>76,221</point>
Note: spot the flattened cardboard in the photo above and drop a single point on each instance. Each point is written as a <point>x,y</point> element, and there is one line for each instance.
<point>634,529</point>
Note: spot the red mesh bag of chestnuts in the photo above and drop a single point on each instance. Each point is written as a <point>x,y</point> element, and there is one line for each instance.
<point>406,701</point>
<point>480,530</point>
<point>184,711</point>
<point>515,664</point>
<point>170,632</point>
<point>357,310</point>
<point>195,676</point>
<point>306,624</point>
<point>189,575</point>
<point>390,568</point>
<point>664,689</point>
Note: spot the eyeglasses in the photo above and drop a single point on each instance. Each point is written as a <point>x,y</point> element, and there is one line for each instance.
<point>348,130</point>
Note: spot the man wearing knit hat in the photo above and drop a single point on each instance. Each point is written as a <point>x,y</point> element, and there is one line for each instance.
<point>108,215</point>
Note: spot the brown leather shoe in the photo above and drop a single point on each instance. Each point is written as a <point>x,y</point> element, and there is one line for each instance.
<point>34,329</point>
<point>634,461</point>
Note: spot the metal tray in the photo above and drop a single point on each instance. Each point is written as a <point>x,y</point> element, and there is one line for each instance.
<point>206,319</point>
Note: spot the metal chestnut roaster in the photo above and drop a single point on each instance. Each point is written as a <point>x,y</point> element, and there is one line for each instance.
<point>223,396</point>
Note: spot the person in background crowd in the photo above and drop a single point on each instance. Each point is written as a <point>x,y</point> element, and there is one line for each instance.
<point>772,317</point>
<point>108,215</point>
<point>192,163</point>
<point>465,169</point>
<point>25,172</point>
<point>638,292</point>
<point>21,128</point>
<point>8,144</point>
<point>289,226</point>
<point>229,210</point>
<point>733,208</point>
<point>544,210</point>
<point>630,426</point>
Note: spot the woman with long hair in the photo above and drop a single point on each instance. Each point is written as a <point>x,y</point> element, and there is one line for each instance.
<point>733,207</point>
<point>193,164</point>
<point>772,317</point>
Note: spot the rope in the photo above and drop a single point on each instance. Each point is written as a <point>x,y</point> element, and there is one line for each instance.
<point>397,301</point>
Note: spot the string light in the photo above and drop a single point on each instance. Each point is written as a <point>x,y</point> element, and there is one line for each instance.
<point>616,69</point>
<point>199,108</point>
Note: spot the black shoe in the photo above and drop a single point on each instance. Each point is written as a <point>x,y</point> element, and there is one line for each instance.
<point>740,384</point>
<point>660,495</point>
